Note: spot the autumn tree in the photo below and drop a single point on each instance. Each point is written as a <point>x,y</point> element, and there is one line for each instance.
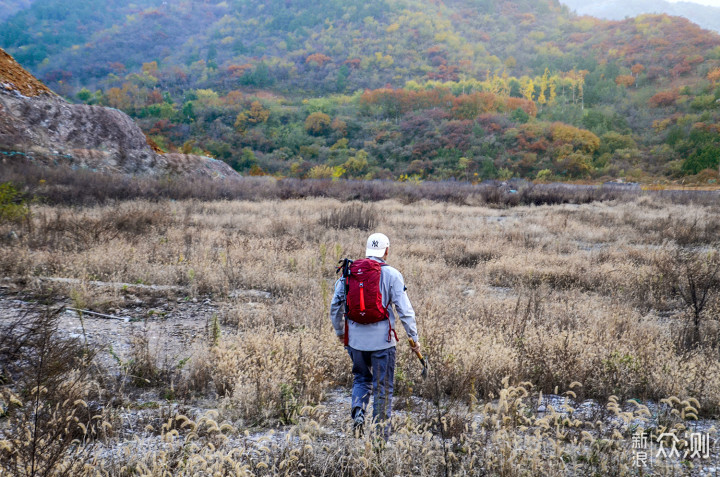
<point>470,106</point>
<point>207,99</point>
<point>321,171</point>
<point>625,80</point>
<point>576,164</point>
<point>714,75</point>
<point>317,123</point>
<point>318,59</point>
<point>357,164</point>
<point>636,69</point>
<point>580,139</point>
<point>154,97</point>
<point>664,98</point>
<point>528,88</point>
<point>127,98</point>
<point>529,107</point>
<point>255,115</point>
<point>238,71</point>
<point>233,98</point>
<point>151,69</point>
<point>339,126</point>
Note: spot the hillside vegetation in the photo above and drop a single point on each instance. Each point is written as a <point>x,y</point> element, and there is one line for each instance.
<point>704,15</point>
<point>466,89</point>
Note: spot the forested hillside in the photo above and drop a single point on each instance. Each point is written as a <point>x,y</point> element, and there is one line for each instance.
<point>704,15</point>
<point>408,89</point>
<point>10,7</point>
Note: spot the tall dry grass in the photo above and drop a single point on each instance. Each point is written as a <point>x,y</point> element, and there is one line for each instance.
<point>510,303</point>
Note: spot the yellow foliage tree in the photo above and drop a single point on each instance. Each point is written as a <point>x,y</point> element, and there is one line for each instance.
<point>317,123</point>
<point>528,89</point>
<point>580,139</point>
<point>554,80</point>
<point>383,61</point>
<point>358,163</point>
<point>150,69</point>
<point>255,115</point>
<point>321,172</point>
<point>714,75</point>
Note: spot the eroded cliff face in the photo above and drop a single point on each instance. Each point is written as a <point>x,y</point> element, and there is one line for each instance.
<point>42,127</point>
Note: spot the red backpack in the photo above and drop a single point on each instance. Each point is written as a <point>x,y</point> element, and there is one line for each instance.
<point>364,300</point>
<point>362,292</point>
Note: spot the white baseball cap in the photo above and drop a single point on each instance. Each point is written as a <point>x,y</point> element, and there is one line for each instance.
<point>376,245</point>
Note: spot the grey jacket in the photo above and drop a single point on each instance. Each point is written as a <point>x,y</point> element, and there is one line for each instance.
<point>374,337</point>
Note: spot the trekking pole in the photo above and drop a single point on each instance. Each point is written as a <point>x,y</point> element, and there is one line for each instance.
<point>345,267</point>
<point>420,357</point>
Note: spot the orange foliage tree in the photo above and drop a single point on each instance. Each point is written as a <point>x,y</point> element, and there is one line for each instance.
<point>664,98</point>
<point>233,98</point>
<point>637,68</point>
<point>339,126</point>
<point>151,68</point>
<point>625,80</point>
<point>511,104</point>
<point>238,71</point>
<point>154,97</point>
<point>318,58</point>
<point>714,75</point>
<point>470,106</point>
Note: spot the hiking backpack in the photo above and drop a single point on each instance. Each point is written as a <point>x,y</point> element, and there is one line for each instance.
<point>363,300</point>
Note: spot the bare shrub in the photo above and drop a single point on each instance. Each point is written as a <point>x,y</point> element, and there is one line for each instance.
<point>69,230</point>
<point>49,412</point>
<point>142,366</point>
<point>458,255</point>
<point>65,186</point>
<point>147,366</point>
<point>354,216</point>
<point>693,276</point>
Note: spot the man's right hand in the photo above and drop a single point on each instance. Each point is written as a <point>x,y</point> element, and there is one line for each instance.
<point>341,338</point>
<point>415,347</point>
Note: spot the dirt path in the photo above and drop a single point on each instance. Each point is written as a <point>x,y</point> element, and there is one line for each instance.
<point>172,327</point>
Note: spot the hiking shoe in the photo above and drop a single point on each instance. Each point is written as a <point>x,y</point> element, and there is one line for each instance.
<point>358,424</point>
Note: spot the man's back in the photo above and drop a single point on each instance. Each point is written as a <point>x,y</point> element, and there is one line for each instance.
<point>374,336</point>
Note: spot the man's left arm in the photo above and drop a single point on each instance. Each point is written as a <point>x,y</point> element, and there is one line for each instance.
<point>403,307</point>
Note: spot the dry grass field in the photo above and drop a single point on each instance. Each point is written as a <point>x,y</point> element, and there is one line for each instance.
<point>554,334</point>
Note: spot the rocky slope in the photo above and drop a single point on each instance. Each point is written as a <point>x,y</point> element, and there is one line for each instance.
<point>37,124</point>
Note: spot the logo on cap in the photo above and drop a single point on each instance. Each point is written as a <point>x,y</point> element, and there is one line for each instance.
<point>375,244</point>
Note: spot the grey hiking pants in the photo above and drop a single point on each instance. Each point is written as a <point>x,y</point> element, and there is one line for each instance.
<point>373,373</point>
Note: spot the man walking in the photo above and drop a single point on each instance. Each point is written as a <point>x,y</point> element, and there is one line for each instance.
<point>364,321</point>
